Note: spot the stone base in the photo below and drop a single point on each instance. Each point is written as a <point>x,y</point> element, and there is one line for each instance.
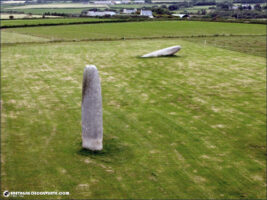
<point>92,144</point>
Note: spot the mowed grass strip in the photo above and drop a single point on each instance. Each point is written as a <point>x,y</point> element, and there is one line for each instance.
<point>188,126</point>
<point>253,45</point>
<point>142,30</point>
<point>15,38</point>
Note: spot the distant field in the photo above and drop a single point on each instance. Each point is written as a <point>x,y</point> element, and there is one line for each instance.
<point>255,45</point>
<point>20,16</point>
<point>131,5</point>
<point>50,21</point>
<point>142,30</point>
<point>55,5</point>
<point>194,9</point>
<point>40,11</point>
<point>166,1</point>
<point>74,10</point>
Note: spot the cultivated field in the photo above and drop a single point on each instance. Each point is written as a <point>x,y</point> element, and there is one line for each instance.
<point>188,126</point>
<point>41,11</point>
<point>58,5</point>
<point>19,16</point>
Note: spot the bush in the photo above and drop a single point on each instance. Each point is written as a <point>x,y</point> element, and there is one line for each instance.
<point>173,7</point>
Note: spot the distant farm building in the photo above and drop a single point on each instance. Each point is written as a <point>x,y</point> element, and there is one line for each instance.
<point>117,2</point>
<point>100,13</point>
<point>103,2</point>
<point>138,1</point>
<point>125,1</point>
<point>147,13</point>
<point>234,7</point>
<point>247,7</point>
<point>129,11</point>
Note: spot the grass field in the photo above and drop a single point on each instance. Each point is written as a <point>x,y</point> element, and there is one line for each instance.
<point>13,38</point>
<point>41,11</point>
<point>58,5</point>
<point>194,9</point>
<point>189,126</point>
<point>255,45</point>
<point>50,21</point>
<point>142,30</point>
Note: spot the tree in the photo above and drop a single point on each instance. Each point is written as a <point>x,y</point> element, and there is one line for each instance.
<point>173,7</point>
<point>203,12</point>
<point>224,6</point>
<point>257,7</point>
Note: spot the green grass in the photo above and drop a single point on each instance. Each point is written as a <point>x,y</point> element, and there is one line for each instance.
<point>193,9</point>
<point>49,21</point>
<point>40,11</point>
<point>183,127</point>
<point>142,29</point>
<point>13,38</point>
<point>128,6</point>
<point>255,45</point>
<point>56,5</point>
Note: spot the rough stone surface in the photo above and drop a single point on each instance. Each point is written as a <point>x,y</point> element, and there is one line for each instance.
<point>163,52</point>
<point>92,120</point>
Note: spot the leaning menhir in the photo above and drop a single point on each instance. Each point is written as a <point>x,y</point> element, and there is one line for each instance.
<point>92,121</point>
<point>163,52</point>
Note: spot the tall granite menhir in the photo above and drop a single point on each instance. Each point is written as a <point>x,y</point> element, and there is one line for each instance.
<point>92,120</point>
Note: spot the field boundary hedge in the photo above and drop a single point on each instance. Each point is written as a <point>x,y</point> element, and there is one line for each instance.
<point>60,24</point>
<point>125,38</point>
<point>133,20</point>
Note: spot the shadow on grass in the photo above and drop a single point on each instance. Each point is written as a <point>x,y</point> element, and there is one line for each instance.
<point>112,151</point>
<point>170,56</point>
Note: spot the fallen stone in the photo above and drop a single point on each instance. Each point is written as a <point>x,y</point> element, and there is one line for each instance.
<point>163,52</point>
<point>92,121</point>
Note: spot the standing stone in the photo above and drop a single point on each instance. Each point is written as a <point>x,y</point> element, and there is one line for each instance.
<point>92,121</point>
<point>163,52</point>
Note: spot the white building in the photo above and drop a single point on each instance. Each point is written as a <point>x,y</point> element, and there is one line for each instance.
<point>117,2</point>
<point>139,1</point>
<point>129,11</point>
<point>100,13</point>
<point>125,1</point>
<point>235,7</point>
<point>103,2</point>
<point>147,13</point>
